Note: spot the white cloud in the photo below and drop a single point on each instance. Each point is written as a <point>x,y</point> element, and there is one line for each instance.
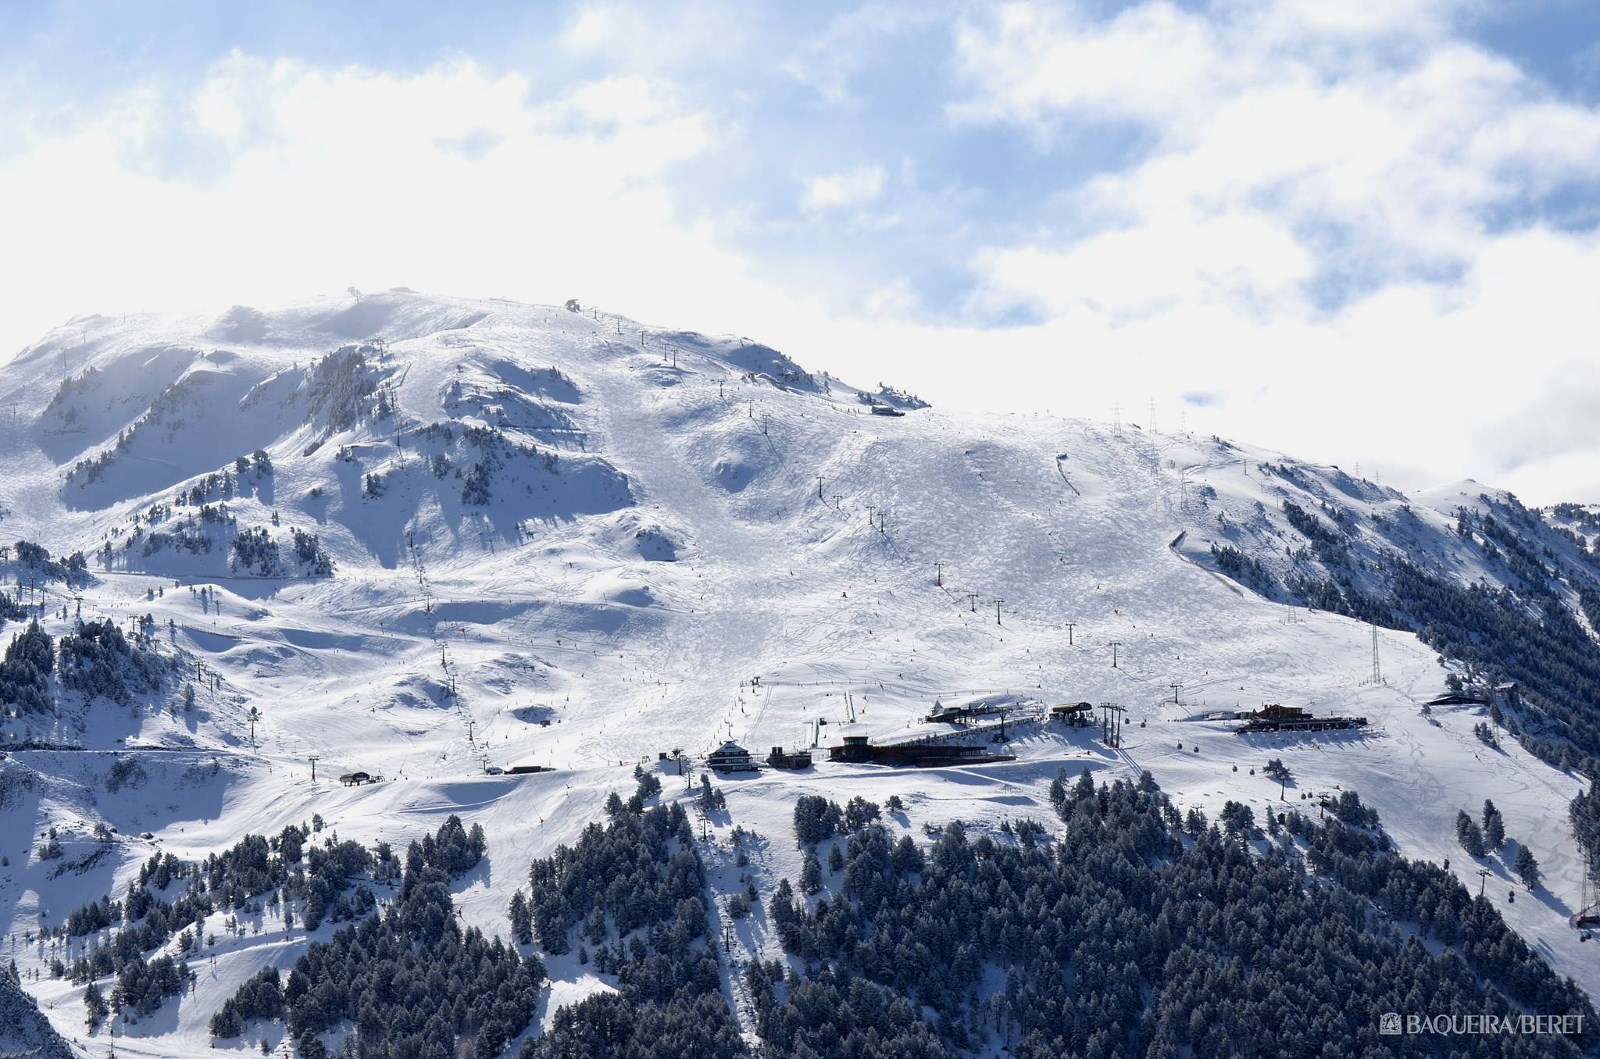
<point>1032,62</point>
<point>660,38</point>
<point>830,61</point>
<point>845,190</point>
<point>324,178</point>
<point>1292,151</point>
<point>1238,260</point>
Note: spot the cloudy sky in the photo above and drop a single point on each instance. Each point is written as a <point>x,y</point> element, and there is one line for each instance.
<point>1365,233</point>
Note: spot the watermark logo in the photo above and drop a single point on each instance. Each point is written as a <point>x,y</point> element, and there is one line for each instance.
<point>1391,1023</point>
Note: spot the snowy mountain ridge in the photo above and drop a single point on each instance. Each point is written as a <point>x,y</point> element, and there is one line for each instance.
<point>424,538</point>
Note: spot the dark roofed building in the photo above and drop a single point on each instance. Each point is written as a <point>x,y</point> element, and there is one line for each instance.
<point>731,757</point>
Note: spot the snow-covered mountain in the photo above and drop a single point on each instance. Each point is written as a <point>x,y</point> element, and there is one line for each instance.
<point>429,539</point>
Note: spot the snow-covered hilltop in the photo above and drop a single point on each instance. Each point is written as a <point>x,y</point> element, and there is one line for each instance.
<point>431,539</point>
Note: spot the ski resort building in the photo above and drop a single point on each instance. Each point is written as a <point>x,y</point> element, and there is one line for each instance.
<point>1454,699</point>
<point>731,757</point>
<point>1274,717</point>
<point>960,714</point>
<point>782,759</point>
<point>858,749</point>
<point>1074,713</point>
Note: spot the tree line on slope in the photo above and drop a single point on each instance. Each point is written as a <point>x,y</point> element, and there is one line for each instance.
<point>1139,933</point>
<point>95,659</point>
<point>409,983</point>
<point>636,887</point>
<point>1136,931</point>
<point>253,875</point>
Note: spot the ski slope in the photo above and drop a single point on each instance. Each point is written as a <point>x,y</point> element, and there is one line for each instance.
<point>724,547</point>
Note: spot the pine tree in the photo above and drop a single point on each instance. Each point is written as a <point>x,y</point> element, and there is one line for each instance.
<point>521,919</point>
<point>1527,868</point>
<point>94,1003</point>
<point>782,904</point>
<point>1469,834</point>
<point>907,859</point>
<point>859,812</point>
<point>816,819</point>
<point>1058,790</point>
<point>810,873</point>
<point>1494,826</point>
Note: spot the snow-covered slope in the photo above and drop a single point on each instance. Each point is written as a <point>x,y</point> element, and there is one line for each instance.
<point>421,537</point>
